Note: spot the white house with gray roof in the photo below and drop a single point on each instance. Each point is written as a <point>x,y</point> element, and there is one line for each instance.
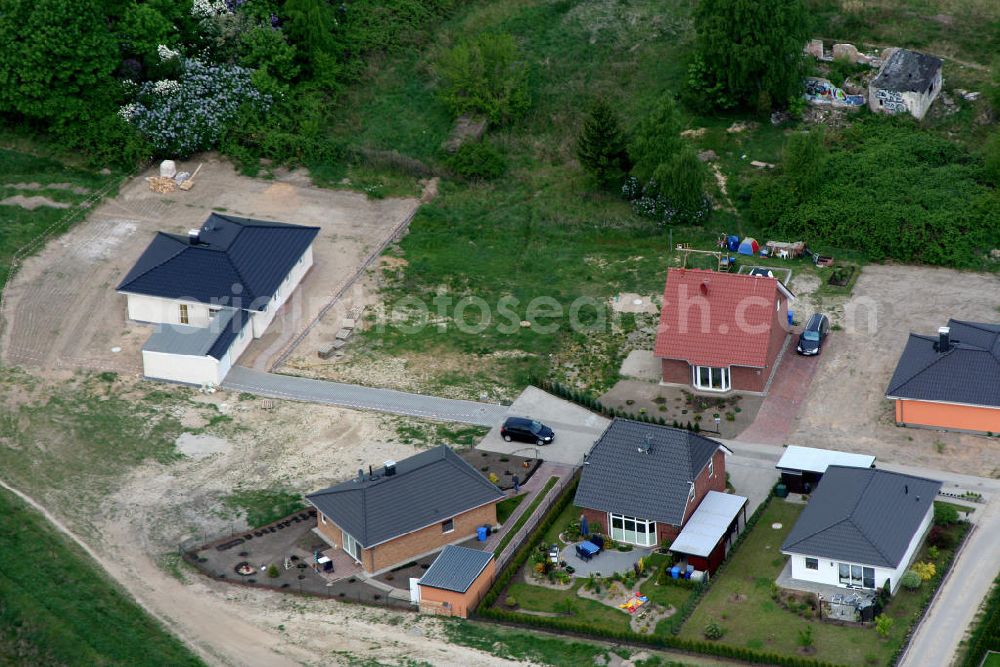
<point>861,528</point>
<point>908,82</point>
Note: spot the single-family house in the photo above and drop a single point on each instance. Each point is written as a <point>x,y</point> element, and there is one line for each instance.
<point>861,528</point>
<point>802,468</point>
<point>721,332</point>
<point>642,482</point>
<point>406,510</point>
<point>456,581</point>
<point>950,381</point>
<point>907,82</point>
<point>211,292</point>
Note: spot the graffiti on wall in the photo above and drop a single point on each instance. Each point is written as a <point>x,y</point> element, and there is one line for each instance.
<point>891,101</point>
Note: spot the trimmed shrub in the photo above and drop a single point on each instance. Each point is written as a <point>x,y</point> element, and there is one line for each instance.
<point>910,581</point>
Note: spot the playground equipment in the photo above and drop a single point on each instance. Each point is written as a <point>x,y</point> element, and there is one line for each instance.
<point>725,261</point>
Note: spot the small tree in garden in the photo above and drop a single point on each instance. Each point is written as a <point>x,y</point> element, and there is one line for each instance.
<point>910,580</point>
<point>805,637</point>
<point>272,571</point>
<point>601,147</point>
<point>883,625</point>
<point>485,75</point>
<point>655,140</point>
<point>311,27</point>
<point>925,571</point>
<point>945,515</point>
<point>680,183</point>
<point>714,631</point>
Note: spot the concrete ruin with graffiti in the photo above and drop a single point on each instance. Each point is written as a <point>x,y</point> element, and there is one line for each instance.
<point>908,82</point>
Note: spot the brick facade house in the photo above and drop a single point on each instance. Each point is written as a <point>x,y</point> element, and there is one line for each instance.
<point>721,332</point>
<point>406,510</point>
<point>642,482</point>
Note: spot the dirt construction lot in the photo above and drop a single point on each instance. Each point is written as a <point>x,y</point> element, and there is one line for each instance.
<point>846,409</point>
<point>62,311</point>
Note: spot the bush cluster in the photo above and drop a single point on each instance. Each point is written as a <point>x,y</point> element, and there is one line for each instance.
<point>590,402</point>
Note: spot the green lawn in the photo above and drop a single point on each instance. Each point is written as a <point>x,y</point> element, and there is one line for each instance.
<point>57,607</point>
<point>759,623</point>
<point>18,225</point>
<point>506,507</point>
<point>992,660</point>
<point>588,612</point>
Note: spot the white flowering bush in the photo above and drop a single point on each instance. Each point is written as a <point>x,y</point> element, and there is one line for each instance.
<point>191,114</point>
<point>203,9</point>
<point>166,53</point>
<point>649,202</point>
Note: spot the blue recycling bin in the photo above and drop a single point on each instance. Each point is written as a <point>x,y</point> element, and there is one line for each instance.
<point>688,571</point>
<point>675,572</point>
<point>789,317</point>
<point>481,533</point>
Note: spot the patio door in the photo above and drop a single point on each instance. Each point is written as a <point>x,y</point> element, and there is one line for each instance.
<point>632,530</point>
<point>352,547</point>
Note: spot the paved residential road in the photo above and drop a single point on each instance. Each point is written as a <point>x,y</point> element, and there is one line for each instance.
<point>937,638</point>
<point>272,385</point>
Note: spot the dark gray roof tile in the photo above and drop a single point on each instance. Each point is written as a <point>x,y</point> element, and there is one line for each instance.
<point>862,515</point>
<point>966,373</point>
<point>907,71</point>
<point>427,488</point>
<point>254,255</point>
<point>456,568</point>
<point>649,485</point>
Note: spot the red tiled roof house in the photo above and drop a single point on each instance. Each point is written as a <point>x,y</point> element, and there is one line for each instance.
<point>721,332</point>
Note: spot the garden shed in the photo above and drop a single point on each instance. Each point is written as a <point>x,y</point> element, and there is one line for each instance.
<point>802,467</point>
<point>456,581</point>
<point>711,531</point>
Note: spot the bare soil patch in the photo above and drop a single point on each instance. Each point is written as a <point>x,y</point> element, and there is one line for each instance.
<point>31,203</point>
<point>846,409</point>
<point>62,311</point>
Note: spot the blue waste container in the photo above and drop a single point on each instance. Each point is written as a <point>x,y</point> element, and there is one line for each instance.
<point>789,317</point>
<point>481,533</point>
<point>675,572</point>
<point>688,571</point>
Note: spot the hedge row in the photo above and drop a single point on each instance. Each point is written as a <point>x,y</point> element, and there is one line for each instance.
<point>522,554</point>
<point>587,400</point>
<point>486,608</point>
<point>986,635</point>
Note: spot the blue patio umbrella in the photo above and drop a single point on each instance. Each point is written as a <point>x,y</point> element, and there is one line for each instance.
<point>584,528</point>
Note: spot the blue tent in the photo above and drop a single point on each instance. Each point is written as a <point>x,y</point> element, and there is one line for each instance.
<point>749,246</point>
<point>732,243</point>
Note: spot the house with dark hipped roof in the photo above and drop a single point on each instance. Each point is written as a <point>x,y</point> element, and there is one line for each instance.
<point>406,510</point>
<point>721,332</point>
<point>642,482</point>
<point>211,292</point>
<point>950,381</point>
<point>861,528</point>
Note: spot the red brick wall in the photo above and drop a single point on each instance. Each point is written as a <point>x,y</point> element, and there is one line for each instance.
<point>459,604</point>
<point>676,371</point>
<point>744,378</point>
<point>702,485</point>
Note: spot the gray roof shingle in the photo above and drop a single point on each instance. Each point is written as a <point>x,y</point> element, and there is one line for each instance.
<point>862,515</point>
<point>966,373</point>
<point>213,340</point>
<point>427,488</point>
<point>907,71</point>
<point>456,568</point>
<point>253,254</point>
<point>648,485</point>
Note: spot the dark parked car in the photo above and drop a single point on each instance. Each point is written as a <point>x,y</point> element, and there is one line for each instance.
<point>811,340</point>
<point>526,430</point>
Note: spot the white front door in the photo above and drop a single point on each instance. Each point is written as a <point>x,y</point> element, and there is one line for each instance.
<point>414,591</point>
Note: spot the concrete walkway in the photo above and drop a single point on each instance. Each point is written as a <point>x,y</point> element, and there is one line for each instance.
<point>272,385</point>
<point>779,411</point>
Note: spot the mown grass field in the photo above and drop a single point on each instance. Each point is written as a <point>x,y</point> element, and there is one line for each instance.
<point>57,607</point>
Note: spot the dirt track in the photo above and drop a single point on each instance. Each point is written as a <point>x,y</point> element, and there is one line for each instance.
<point>62,312</point>
<point>846,409</point>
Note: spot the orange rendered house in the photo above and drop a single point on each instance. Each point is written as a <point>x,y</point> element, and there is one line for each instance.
<point>950,381</point>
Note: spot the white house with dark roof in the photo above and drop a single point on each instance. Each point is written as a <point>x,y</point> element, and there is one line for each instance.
<point>211,292</point>
<point>861,528</point>
<point>406,510</point>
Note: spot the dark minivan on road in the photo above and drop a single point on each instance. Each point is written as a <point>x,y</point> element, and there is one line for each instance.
<point>526,430</point>
<point>811,340</point>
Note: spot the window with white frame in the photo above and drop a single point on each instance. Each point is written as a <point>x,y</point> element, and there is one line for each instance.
<point>812,563</point>
<point>448,526</point>
<point>632,530</point>
<point>711,467</point>
<point>711,378</point>
<point>856,575</point>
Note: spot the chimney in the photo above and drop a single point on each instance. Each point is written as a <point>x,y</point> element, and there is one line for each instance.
<point>944,339</point>
<point>194,236</point>
<point>361,475</point>
<point>704,288</point>
<point>389,468</point>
